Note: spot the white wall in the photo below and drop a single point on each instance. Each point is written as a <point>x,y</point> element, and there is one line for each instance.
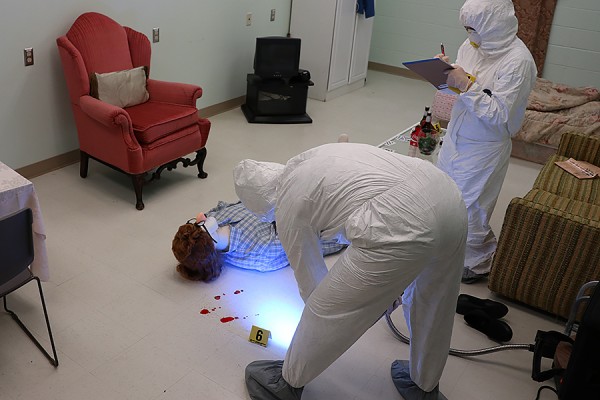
<point>574,47</point>
<point>204,42</point>
<point>407,30</point>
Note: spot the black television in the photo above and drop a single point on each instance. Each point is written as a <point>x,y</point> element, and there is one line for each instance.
<point>277,57</point>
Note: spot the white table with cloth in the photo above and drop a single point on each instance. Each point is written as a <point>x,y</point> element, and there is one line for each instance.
<point>399,143</point>
<point>16,194</point>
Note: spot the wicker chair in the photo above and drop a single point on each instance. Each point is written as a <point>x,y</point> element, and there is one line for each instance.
<point>549,245</point>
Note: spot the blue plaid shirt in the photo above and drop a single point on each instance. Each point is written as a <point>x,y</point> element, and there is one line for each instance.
<point>254,244</point>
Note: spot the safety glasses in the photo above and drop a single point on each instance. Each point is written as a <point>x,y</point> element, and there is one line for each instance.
<point>200,224</point>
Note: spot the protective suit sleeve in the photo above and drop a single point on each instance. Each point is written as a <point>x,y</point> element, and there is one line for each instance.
<point>303,249</point>
<point>504,106</point>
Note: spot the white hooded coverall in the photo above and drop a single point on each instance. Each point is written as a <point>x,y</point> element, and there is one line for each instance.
<point>478,144</point>
<point>405,222</point>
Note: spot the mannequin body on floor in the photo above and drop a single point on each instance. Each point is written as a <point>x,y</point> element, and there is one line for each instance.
<point>231,235</point>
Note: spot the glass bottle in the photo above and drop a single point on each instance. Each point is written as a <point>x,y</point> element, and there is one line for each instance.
<point>428,140</point>
<point>424,116</point>
<point>413,144</point>
<point>427,126</point>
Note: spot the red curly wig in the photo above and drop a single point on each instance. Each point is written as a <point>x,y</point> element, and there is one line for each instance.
<point>195,250</point>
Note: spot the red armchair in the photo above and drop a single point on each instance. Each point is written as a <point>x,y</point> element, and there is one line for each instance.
<point>139,139</point>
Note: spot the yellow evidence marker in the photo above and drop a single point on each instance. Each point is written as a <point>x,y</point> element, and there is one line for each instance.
<point>259,336</point>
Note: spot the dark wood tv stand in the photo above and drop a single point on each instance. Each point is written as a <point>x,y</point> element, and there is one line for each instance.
<point>276,100</point>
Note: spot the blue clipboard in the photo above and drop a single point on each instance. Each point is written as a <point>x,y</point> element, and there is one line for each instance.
<point>432,69</point>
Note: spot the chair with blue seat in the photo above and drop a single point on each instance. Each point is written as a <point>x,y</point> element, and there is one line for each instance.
<point>16,255</point>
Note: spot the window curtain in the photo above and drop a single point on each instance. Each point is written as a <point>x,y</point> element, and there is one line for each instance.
<point>535,21</point>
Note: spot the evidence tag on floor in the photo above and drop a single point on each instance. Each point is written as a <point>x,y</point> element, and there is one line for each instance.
<point>259,335</point>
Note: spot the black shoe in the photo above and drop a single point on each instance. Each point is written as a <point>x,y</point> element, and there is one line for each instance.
<point>469,276</point>
<point>467,303</point>
<point>494,328</point>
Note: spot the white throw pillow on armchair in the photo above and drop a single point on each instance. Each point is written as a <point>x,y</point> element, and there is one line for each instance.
<point>122,88</point>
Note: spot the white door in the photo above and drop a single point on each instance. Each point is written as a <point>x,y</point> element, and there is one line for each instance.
<point>343,38</point>
<point>360,49</point>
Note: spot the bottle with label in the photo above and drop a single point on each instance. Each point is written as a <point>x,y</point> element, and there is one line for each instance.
<point>429,138</point>
<point>424,116</point>
<point>427,126</point>
<point>413,144</point>
<point>416,134</point>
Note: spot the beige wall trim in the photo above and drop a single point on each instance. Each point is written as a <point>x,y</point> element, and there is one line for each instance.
<point>390,69</point>
<point>72,157</point>
<point>222,107</point>
<point>49,165</point>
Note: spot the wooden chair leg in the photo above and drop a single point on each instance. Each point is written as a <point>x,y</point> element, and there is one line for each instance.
<point>84,159</point>
<point>201,154</point>
<point>138,184</point>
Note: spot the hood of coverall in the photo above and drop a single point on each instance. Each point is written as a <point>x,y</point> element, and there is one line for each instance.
<point>494,21</point>
<point>256,186</point>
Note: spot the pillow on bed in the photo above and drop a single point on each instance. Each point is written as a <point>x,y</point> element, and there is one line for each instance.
<point>122,88</point>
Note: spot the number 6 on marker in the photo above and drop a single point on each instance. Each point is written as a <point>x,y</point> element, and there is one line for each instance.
<point>259,336</point>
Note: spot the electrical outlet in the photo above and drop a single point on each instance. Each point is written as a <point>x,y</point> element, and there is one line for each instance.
<point>28,56</point>
<point>248,19</point>
<point>272,14</point>
<point>155,35</point>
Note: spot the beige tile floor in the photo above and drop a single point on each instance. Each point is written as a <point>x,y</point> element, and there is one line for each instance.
<point>128,327</point>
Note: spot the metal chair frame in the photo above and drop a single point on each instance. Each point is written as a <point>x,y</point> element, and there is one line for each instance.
<point>582,298</point>
<point>16,233</point>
